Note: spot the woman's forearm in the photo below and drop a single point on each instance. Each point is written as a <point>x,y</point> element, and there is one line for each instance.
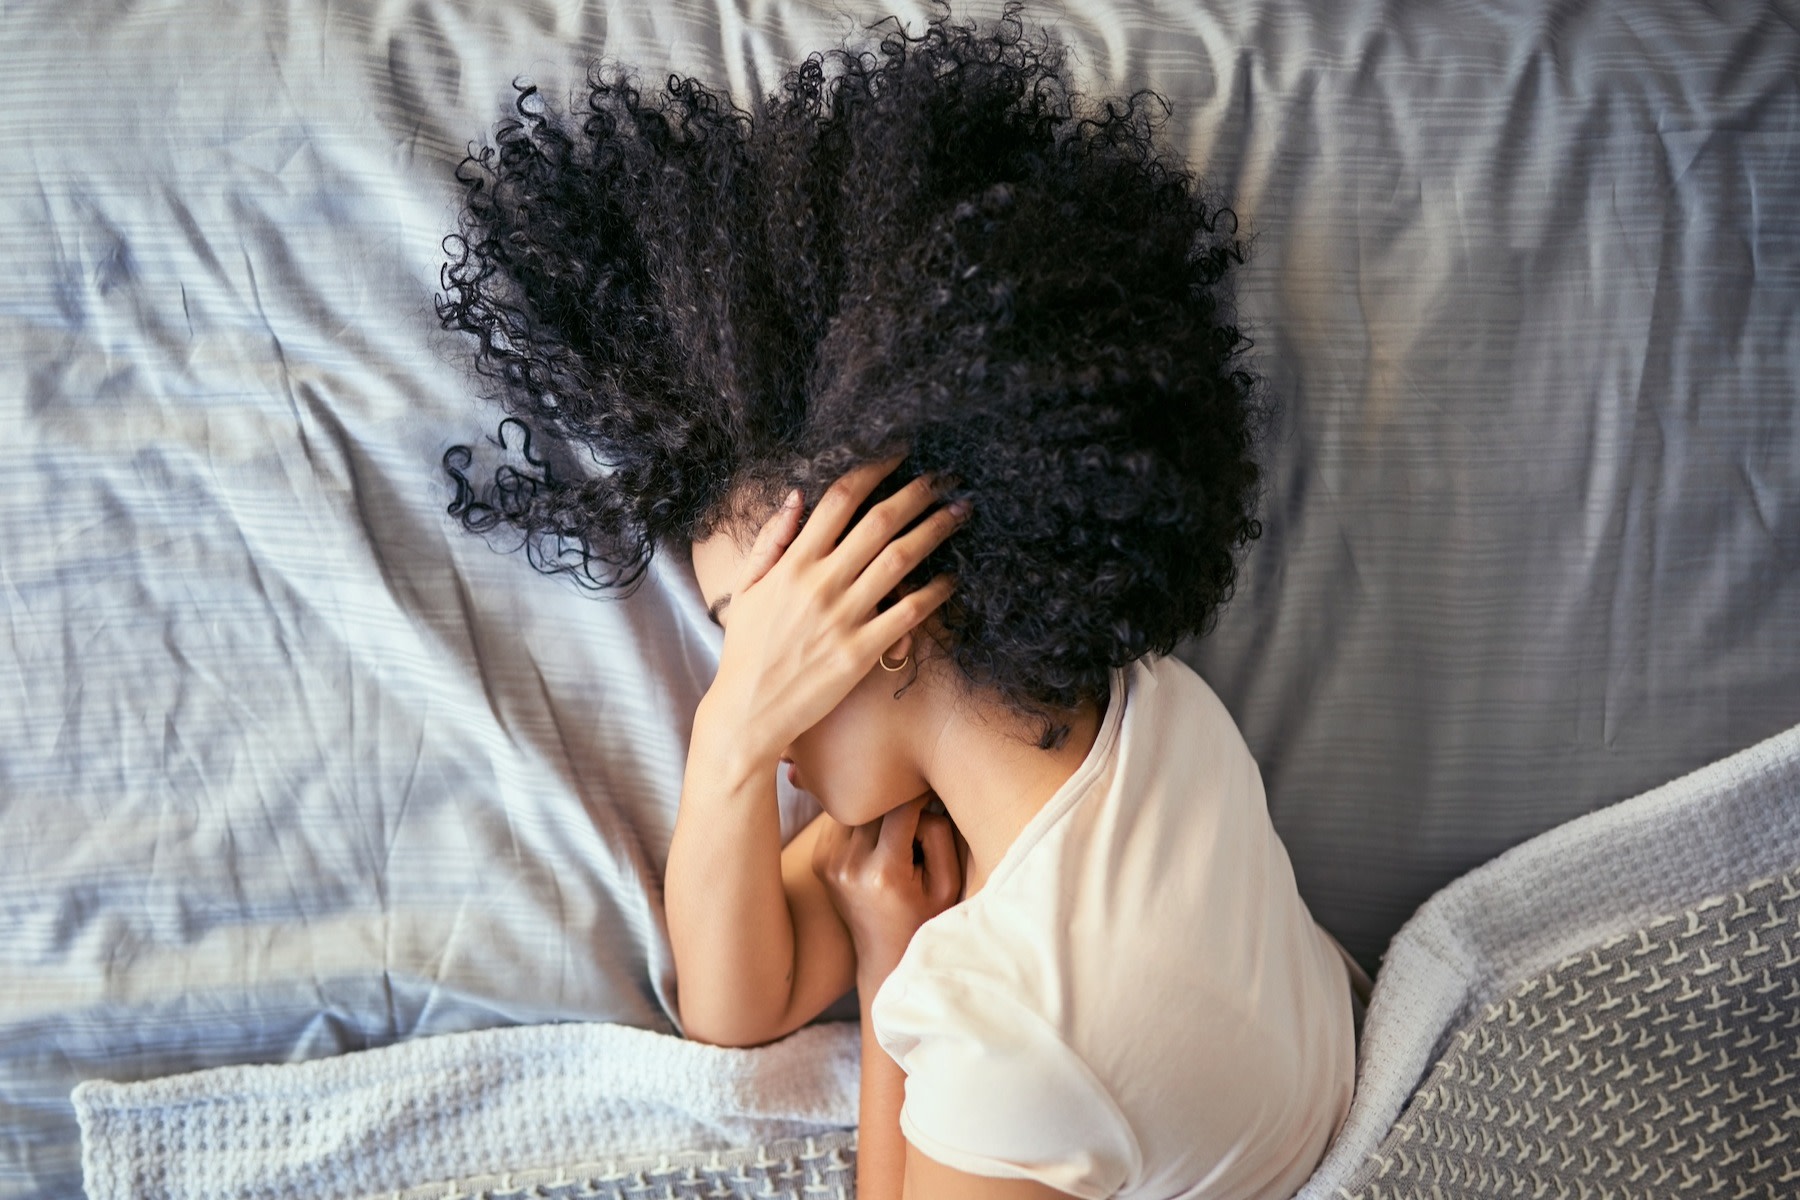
<point>729,924</point>
<point>880,1146</point>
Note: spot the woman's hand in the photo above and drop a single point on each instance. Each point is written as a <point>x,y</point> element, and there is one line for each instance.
<point>882,888</point>
<point>802,628</point>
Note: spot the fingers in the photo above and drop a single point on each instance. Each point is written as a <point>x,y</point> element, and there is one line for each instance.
<point>842,850</point>
<point>829,847</point>
<point>898,557</point>
<point>904,616</point>
<point>888,876</point>
<point>861,844</point>
<point>839,504</point>
<point>776,534</point>
<point>897,828</point>
<point>943,871</point>
<point>880,524</point>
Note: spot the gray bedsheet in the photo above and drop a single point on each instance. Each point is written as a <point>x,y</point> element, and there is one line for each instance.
<point>290,767</point>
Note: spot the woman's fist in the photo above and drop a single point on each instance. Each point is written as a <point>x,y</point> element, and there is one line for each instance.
<point>887,878</point>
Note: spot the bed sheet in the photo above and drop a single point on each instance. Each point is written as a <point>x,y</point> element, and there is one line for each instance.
<point>291,767</point>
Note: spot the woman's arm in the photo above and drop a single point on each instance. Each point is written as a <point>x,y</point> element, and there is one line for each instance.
<point>888,1167</point>
<point>884,893</point>
<point>880,1146</point>
<point>753,949</point>
<point>759,947</point>
<point>928,1179</point>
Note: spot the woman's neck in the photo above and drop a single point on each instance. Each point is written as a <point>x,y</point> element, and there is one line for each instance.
<point>993,783</point>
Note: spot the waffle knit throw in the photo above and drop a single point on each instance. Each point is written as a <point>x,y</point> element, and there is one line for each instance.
<point>1607,1011</point>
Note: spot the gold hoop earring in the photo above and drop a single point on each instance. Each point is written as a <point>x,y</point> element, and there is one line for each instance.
<point>901,667</point>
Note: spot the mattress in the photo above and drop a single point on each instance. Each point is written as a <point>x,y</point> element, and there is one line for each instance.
<point>292,767</point>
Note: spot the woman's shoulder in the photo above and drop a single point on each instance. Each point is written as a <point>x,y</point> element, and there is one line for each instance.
<point>1152,799</point>
<point>1179,726</point>
<point>1166,681</point>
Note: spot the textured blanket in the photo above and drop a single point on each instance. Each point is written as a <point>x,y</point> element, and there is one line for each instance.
<point>1610,1008</point>
<point>1662,1062</point>
<point>590,1102</point>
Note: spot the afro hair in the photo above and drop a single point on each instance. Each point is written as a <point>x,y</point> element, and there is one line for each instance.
<point>933,248</point>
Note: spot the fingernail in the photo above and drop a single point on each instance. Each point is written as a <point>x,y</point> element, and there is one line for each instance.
<point>960,507</point>
<point>793,499</point>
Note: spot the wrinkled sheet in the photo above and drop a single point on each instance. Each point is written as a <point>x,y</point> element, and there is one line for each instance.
<point>290,766</point>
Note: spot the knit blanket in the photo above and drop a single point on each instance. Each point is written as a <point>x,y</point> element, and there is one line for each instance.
<point>1609,1009</point>
<point>594,1110</point>
<point>1662,1062</point>
<point>1612,1008</point>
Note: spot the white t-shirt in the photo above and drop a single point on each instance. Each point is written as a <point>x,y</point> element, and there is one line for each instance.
<point>1137,1003</point>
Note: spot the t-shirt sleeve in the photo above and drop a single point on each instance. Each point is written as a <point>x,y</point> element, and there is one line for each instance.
<point>992,1089</point>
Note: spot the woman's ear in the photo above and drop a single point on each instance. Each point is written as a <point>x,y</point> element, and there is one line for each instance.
<point>898,651</point>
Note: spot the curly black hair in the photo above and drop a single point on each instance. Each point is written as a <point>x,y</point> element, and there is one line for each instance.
<point>935,248</point>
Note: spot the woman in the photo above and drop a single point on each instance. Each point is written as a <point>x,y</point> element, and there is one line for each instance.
<point>932,373</point>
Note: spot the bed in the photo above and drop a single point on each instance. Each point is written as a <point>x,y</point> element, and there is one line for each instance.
<point>292,769</point>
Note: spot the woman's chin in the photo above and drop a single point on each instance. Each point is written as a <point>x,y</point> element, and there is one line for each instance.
<point>873,810</point>
<point>846,809</point>
<point>851,814</point>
